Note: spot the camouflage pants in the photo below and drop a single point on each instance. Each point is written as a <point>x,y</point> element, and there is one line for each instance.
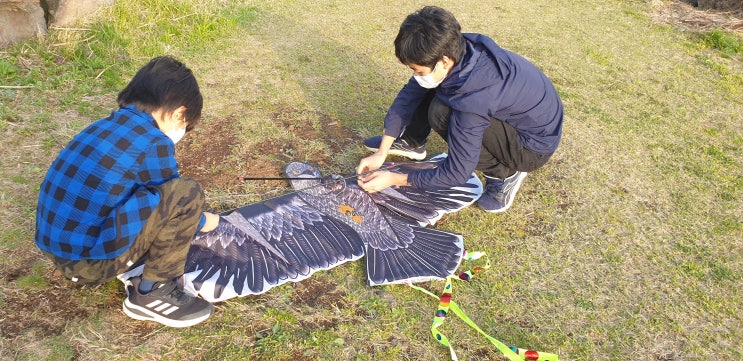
<point>162,245</point>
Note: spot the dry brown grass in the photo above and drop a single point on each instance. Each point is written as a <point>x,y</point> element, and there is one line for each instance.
<point>626,246</point>
<point>682,13</point>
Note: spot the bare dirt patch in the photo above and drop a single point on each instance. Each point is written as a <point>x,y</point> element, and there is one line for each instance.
<point>46,311</point>
<point>316,293</point>
<point>210,153</point>
<point>332,133</point>
<point>206,149</point>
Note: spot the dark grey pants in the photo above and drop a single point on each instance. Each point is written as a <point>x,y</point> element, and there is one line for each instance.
<point>162,245</point>
<point>501,154</point>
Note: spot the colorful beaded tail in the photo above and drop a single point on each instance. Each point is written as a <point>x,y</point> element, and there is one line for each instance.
<point>446,304</point>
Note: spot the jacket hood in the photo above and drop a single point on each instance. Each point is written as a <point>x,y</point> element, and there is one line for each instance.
<point>480,67</point>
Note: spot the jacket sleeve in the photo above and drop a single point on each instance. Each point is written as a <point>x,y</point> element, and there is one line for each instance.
<point>465,142</point>
<point>403,107</point>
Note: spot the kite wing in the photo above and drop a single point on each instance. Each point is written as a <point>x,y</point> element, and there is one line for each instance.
<point>260,246</point>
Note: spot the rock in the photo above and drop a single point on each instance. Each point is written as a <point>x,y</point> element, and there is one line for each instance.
<point>25,19</point>
<point>20,20</point>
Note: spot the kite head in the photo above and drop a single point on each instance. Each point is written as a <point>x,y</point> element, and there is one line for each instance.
<point>315,183</point>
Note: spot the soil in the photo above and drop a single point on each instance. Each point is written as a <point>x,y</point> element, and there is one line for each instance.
<point>206,164</point>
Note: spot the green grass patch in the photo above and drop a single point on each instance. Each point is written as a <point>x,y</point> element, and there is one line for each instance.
<point>14,237</point>
<point>101,56</point>
<point>59,348</point>
<point>32,282</point>
<point>729,44</point>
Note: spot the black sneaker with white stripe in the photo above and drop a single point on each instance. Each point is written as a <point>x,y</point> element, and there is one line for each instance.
<point>399,147</point>
<point>166,304</point>
<point>499,193</point>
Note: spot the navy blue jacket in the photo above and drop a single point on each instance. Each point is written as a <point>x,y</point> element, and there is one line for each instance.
<point>488,82</point>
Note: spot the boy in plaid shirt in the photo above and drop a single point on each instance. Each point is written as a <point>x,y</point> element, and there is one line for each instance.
<point>114,198</point>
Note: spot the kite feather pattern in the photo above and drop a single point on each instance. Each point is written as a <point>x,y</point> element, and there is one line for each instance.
<point>324,223</point>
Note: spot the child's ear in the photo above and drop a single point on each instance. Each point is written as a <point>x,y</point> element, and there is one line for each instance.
<point>180,113</point>
<point>448,62</point>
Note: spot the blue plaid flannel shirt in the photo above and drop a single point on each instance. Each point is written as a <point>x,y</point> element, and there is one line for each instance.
<point>99,192</point>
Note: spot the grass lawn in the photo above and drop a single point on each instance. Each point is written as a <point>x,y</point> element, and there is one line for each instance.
<point>628,245</point>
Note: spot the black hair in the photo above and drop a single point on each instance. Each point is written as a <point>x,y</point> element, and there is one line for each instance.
<point>427,35</point>
<point>165,84</point>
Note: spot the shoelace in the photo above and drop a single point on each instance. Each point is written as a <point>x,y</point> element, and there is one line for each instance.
<point>501,186</point>
<point>404,145</point>
<point>496,186</point>
<point>172,292</point>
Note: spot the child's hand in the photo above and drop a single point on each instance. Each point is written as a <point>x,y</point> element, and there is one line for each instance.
<point>212,220</point>
<point>371,162</point>
<point>377,181</point>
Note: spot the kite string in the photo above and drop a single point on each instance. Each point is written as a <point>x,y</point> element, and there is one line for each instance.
<point>446,304</point>
<point>341,179</point>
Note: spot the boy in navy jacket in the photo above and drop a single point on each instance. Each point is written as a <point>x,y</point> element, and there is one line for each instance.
<point>498,113</point>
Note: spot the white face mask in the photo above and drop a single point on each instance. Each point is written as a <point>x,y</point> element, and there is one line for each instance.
<point>176,134</point>
<point>427,81</point>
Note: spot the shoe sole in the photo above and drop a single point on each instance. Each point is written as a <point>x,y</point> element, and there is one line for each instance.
<point>402,153</point>
<point>515,190</point>
<point>142,314</point>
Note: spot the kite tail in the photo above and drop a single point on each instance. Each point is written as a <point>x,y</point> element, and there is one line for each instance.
<point>446,304</point>
<point>432,254</point>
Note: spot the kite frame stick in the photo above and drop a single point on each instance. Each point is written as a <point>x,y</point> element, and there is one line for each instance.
<point>342,179</point>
